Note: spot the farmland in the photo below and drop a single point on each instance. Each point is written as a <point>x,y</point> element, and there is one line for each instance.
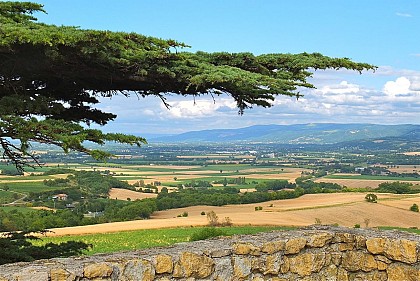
<point>174,186</point>
<point>345,209</point>
<point>147,238</point>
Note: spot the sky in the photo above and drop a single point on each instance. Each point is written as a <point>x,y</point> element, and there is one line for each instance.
<point>384,33</point>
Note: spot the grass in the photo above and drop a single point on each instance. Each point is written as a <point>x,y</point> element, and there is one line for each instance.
<point>142,239</point>
<point>6,196</point>
<point>412,230</point>
<point>26,187</point>
<point>20,209</point>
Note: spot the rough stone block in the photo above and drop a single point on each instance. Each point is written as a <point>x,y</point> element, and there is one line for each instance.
<point>138,269</point>
<point>319,240</point>
<point>273,247</point>
<point>195,265</point>
<point>242,268</point>
<point>164,264</point>
<point>404,272</point>
<point>246,249</point>
<point>295,245</point>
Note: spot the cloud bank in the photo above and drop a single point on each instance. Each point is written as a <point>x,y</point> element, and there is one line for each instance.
<point>340,97</point>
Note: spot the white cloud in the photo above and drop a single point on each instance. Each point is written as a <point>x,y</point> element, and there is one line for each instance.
<point>342,88</point>
<point>392,98</point>
<point>397,87</point>
<point>199,108</point>
<point>405,15</point>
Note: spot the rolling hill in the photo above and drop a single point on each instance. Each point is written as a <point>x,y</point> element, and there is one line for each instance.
<point>321,133</point>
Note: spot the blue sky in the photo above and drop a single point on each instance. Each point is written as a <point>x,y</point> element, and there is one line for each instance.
<point>383,33</point>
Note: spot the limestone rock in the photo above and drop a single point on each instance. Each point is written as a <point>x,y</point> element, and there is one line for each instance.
<point>399,250</point>
<point>305,264</point>
<point>376,245</point>
<point>285,267</point>
<point>223,269</point>
<point>241,268</point>
<point>273,247</point>
<point>31,274</point>
<point>195,265</point>
<point>371,276</point>
<point>342,275</point>
<point>60,274</point>
<point>342,237</point>
<point>245,249</point>
<point>138,269</point>
<point>403,272</point>
<point>360,242</point>
<point>319,240</point>
<point>97,270</point>
<point>294,245</point>
<point>164,264</point>
<point>354,261</point>
<point>272,264</point>
<point>345,247</point>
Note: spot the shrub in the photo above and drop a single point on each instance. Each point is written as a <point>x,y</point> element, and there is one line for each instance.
<point>258,208</point>
<point>372,198</point>
<point>357,225</point>
<point>206,233</point>
<point>366,221</point>
<point>212,218</point>
<point>184,214</point>
<point>203,213</point>
<point>414,208</point>
<point>227,222</point>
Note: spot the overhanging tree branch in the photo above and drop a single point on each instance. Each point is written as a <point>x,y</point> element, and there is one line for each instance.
<point>58,73</point>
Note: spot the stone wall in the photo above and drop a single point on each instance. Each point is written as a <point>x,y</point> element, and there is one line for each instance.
<point>316,253</point>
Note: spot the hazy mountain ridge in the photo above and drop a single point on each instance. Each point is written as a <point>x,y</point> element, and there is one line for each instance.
<point>320,133</point>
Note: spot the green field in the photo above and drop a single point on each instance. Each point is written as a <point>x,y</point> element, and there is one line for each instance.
<point>142,239</point>
<point>7,197</point>
<point>20,209</point>
<point>368,177</point>
<point>26,187</point>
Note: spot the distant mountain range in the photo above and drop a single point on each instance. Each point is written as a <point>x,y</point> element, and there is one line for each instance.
<point>318,133</point>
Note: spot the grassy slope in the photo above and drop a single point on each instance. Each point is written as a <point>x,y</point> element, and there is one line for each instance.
<point>141,239</point>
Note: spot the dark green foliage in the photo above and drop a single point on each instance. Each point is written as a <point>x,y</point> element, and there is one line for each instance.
<point>107,211</point>
<point>184,215</point>
<point>56,171</point>
<point>58,73</point>
<point>274,185</point>
<point>95,183</point>
<point>10,170</point>
<point>214,197</point>
<point>371,198</point>
<point>309,186</point>
<point>17,247</point>
<point>414,208</point>
<point>206,233</point>
<point>57,182</point>
<point>395,187</point>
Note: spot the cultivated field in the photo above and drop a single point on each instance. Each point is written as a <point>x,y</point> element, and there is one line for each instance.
<point>357,183</point>
<point>346,209</point>
<point>364,181</point>
<point>124,194</point>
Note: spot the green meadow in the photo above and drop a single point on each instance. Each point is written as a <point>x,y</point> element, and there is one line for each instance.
<point>142,239</point>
